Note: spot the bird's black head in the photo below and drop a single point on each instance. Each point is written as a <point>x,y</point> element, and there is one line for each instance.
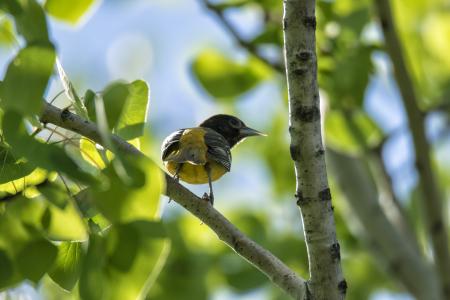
<point>231,128</point>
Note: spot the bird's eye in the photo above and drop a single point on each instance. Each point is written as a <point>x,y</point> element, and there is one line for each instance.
<point>235,123</point>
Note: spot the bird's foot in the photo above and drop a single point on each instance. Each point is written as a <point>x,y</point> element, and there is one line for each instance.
<point>208,198</point>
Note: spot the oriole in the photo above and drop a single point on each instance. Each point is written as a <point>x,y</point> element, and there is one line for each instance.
<point>202,154</point>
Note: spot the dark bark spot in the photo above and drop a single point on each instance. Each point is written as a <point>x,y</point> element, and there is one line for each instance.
<point>310,22</point>
<point>300,71</point>
<point>302,200</point>
<point>335,251</point>
<point>299,197</point>
<point>320,152</point>
<point>65,114</point>
<point>394,266</point>
<point>437,227</point>
<point>308,292</point>
<point>295,152</point>
<point>325,195</point>
<point>291,130</point>
<point>419,166</point>
<point>307,113</point>
<point>236,246</point>
<point>285,24</point>
<point>342,287</point>
<point>304,55</point>
<point>447,292</point>
<point>384,24</point>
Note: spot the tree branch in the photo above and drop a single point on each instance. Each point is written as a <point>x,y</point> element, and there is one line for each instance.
<point>312,191</point>
<point>388,201</point>
<point>261,258</point>
<point>241,41</point>
<point>432,198</point>
<point>403,260</point>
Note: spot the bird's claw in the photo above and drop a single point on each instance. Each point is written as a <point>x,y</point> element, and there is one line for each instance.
<point>208,198</point>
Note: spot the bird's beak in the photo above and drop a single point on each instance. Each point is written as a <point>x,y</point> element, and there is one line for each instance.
<point>246,131</point>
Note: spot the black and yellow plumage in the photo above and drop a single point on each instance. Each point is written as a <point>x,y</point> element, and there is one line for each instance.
<point>203,154</point>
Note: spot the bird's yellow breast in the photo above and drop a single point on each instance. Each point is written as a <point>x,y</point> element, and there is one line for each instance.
<point>196,174</point>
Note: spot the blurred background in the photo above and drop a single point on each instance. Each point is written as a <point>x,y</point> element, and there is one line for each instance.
<point>196,67</point>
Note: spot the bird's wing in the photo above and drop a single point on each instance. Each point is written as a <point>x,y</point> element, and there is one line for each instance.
<point>171,144</point>
<point>218,148</point>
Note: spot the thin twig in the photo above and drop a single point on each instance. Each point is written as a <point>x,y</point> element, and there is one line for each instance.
<point>74,202</point>
<point>240,40</point>
<point>432,201</point>
<point>261,258</point>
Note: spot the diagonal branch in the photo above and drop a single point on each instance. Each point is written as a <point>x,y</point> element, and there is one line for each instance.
<point>432,202</point>
<point>400,256</point>
<point>261,258</point>
<point>312,191</point>
<point>218,12</point>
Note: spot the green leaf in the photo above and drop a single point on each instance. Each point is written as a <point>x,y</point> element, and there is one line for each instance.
<point>11,6</point>
<point>133,117</point>
<point>55,194</point>
<point>240,275</point>
<point>346,80</point>
<point>114,99</point>
<point>57,224</point>
<point>124,263</point>
<point>85,203</point>
<point>6,270</point>
<point>7,37</point>
<point>137,200</point>
<point>352,132</point>
<point>91,154</point>
<point>276,155</point>
<point>11,168</point>
<point>38,176</point>
<point>89,102</point>
<point>226,79</point>
<point>36,258</point>
<point>47,156</point>
<point>26,79</point>
<point>31,22</point>
<point>67,267</point>
<point>70,91</point>
<point>230,4</point>
<point>272,34</point>
<point>15,233</point>
<point>68,10</point>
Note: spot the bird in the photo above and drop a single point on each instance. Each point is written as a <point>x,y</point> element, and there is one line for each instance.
<point>202,154</point>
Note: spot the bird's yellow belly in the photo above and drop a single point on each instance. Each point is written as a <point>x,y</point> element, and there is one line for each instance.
<point>196,174</point>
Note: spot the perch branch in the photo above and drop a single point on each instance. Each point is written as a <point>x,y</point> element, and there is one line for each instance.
<point>432,202</point>
<point>261,258</point>
<point>313,194</point>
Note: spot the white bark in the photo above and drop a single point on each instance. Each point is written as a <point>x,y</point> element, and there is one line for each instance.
<point>312,191</point>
